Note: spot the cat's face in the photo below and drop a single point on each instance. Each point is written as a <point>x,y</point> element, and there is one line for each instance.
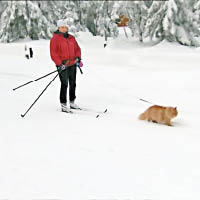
<point>172,112</point>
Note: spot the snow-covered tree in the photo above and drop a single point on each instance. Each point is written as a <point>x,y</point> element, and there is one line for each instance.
<point>174,20</point>
<point>39,25</point>
<point>81,10</point>
<point>98,17</point>
<point>105,23</point>
<point>179,23</point>
<point>155,17</point>
<point>21,19</point>
<point>91,15</point>
<point>196,12</point>
<point>137,11</point>
<point>3,5</point>
<point>71,17</point>
<point>12,22</point>
<point>52,11</point>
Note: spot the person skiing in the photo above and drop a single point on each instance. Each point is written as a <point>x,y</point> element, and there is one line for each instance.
<point>66,54</point>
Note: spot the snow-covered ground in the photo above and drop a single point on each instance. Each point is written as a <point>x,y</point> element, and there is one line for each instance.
<point>54,155</point>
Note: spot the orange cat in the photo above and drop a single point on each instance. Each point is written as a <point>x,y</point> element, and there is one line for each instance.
<point>159,114</point>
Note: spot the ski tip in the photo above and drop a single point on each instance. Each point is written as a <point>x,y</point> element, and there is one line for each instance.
<point>105,110</point>
<point>97,116</point>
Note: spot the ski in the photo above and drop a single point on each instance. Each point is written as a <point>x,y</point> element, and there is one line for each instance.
<point>86,110</point>
<point>105,111</point>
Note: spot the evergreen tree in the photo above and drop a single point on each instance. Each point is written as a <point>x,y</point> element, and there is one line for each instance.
<point>196,12</point>
<point>12,22</point>
<point>155,17</point>
<point>21,19</point>
<point>81,12</point>
<point>105,23</point>
<point>98,17</point>
<point>92,16</point>
<point>137,11</point>
<point>179,23</point>
<point>52,11</point>
<point>39,25</point>
<point>71,17</point>
<point>173,20</point>
<point>3,5</point>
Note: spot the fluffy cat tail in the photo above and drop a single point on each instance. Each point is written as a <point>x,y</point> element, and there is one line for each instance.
<point>142,116</point>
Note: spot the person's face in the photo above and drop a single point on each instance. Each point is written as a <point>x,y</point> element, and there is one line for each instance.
<point>63,29</point>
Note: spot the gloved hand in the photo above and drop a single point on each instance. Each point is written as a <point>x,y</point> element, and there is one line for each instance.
<point>78,62</point>
<point>77,59</point>
<point>61,68</point>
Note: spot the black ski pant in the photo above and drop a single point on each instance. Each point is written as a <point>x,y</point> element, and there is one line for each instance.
<point>68,76</point>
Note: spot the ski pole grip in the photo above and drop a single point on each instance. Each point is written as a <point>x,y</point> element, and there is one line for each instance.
<point>78,65</point>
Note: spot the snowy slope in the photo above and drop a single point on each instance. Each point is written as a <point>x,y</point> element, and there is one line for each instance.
<point>53,155</point>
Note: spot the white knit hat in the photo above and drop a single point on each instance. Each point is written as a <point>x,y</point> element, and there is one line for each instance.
<point>61,22</point>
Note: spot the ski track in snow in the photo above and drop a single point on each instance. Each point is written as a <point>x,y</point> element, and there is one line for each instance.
<point>50,154</point>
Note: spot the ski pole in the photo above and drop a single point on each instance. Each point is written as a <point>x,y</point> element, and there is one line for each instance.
<point>80,70</point>
<point>23,115</point>
<point>34,80</point>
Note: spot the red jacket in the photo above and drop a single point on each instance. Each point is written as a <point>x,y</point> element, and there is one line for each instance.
<point>62,48</point>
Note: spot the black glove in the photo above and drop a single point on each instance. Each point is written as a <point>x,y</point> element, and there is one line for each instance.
<point>61,68</point>
<point>77,60</point>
